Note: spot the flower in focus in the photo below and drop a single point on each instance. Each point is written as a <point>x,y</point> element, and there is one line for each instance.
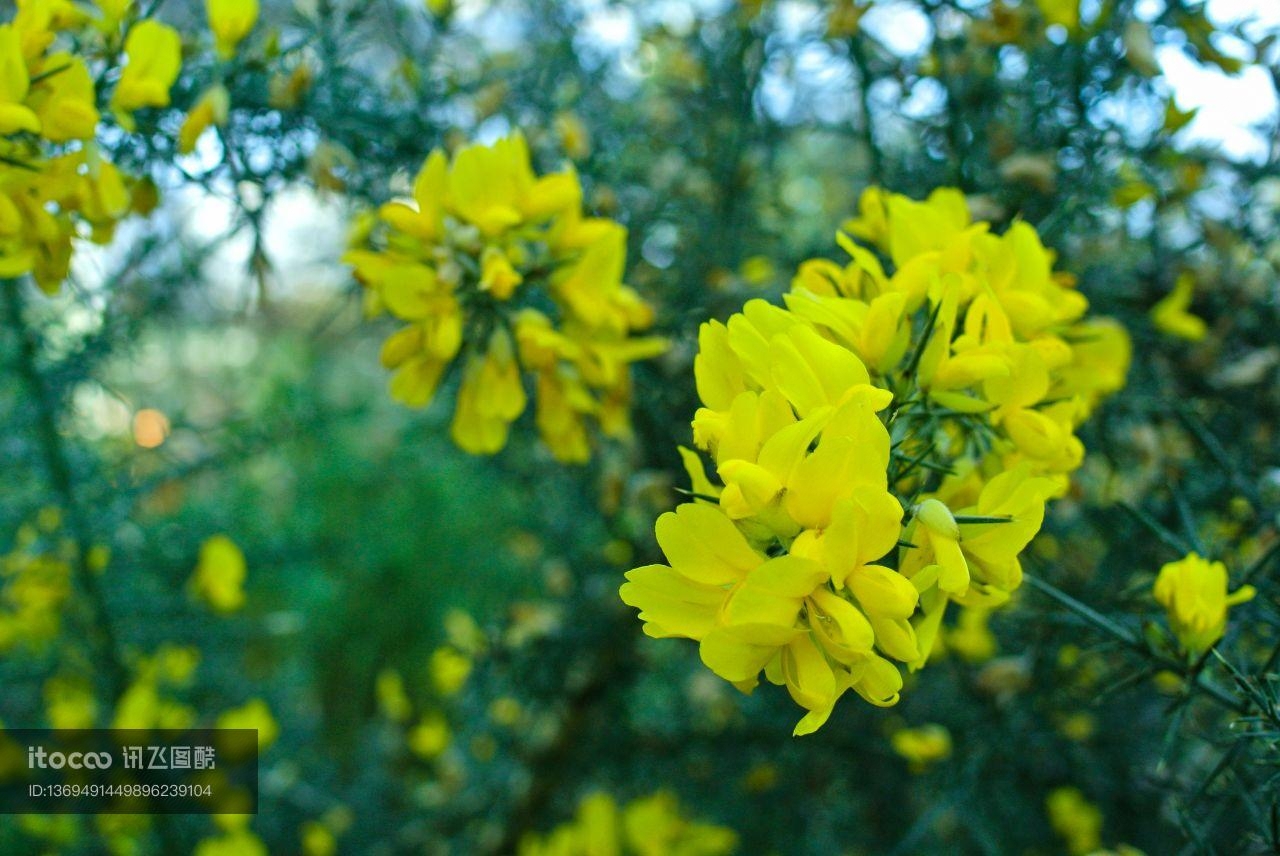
<point>219,576</point>
<point>495,271</point>
<point>883,446</point>
<point>1193,592</point>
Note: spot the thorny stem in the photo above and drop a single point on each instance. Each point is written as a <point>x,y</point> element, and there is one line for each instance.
<point>62,484</point>
<point>1136,643</point>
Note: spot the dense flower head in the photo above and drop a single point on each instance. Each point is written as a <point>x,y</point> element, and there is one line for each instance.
<point>1193,591</point>
<point>647,826</point>
<point>883,445</point>
<point>55,183</point>
<point>497,272</point>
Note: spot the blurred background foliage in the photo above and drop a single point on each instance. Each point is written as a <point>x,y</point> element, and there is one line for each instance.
<point>438,637</point>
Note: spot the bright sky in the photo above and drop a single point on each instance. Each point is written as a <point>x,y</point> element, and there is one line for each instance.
<point>1229,106</point>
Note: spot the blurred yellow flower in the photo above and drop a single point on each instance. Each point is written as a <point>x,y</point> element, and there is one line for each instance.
<point>922,746</point>
<point>230,21</point>
<point>393,702</point>
<point>1076,820</point>
<point>1171,315</point>
<point>449,669</point>
<point>649,826</point>
<point>254,715</point>
<point>430,737</point>
<point>154,55</point>
<point>209,111</point>
<point>220,574</point>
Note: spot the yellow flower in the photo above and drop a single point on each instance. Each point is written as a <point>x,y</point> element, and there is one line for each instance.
<point>922,747</point>
<point>392,700</point>
<point>230,21</point>
<point>15,81</point>
<point>1076,820</point>
<point>253,715</point>
<point>113,12</point>
<point>793,562</point>
<point>1193,591</point>
<point>430,737</point>
<point>210,110</point>
<point>240,842</point>
<point>70,703</point>
<point>219,575</point>
<point>449,669</point>
<point>486,246</point>
<point>575,139</point>
<point>1171,315</point>
<point>648,826</point>
<point>971,639</point>
<point>317,839</point>
<point>1064,13</point>
<point>497,275</point>
<point>154,56</point>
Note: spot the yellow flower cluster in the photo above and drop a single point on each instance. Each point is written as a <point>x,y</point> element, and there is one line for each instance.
<point>35,583</point>
<point>53,177</point>
<point>150,701</point>
<point>1193,591</point>
<point>884,445</point>
<point>650,825</point>
<point>497,270</point>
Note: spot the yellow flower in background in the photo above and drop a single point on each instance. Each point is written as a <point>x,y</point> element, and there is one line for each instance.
<point>971,639</point>
<point>1193,592</point>
<point>449,669</point>
<point>209,111</point>
<point>113,12</point>
<point>1064,13</point>
<point>923,746</point>
<point>393,702</point>
<point>430,737</point>
<point>488,247</point>
<point>1076,820</point>
<point>70,703</point>
<point>317,839</point>
<point>237,842</point>
<point>254,715</point>
<point>882,446</point>
<point>1172,316</point>
<point>219,576</point>
<point>153,54</point>
<point>648,826</point>
<point>575,139</point>
<point>230,21</point>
